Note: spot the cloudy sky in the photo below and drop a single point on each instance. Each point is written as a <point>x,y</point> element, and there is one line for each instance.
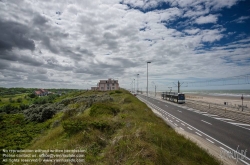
<point>74,43</point>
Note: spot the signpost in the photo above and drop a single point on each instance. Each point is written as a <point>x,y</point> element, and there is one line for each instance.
<point>242,101</point>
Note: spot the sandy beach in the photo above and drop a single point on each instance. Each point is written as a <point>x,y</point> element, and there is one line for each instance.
<point>221,100</point>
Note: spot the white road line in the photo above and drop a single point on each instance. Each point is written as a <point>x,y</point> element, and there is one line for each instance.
<point>181,128</point>
<point>166,105</point>
<point>179,111</point>
<point>209,140</point>
<point>239,124</point>
<point>171,121</point>
<point>189,128</point>
<point>175,124</point>
<point>223,149</point>
<point>177,121</point>
<point>210,115</point>
<point>182,124</point>
<point>218,118</point>
<point>206,122</point>
<point>198,134</point>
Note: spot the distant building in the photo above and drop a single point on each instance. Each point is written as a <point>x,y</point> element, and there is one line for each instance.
<point>41,92</point>
<point>105,85</point>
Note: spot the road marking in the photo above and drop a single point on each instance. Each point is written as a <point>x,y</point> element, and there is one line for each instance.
<point>171,121</point>
<point>223,148</point>
<point>209,140</point>
<point>181,128</point>
<point>166,105</point>
<point>175,124</point>
<point>218,118</point>
<point>206,122</point>
<point>189,128</point>
<point>167,118</point>
<point>177,120</point>
<point>209,115</point>
<point>198,134</point>
<point>182,124</point>
<point>239,124</point>
<point>179,111</point>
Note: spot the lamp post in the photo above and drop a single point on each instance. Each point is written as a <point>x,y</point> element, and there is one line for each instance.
<point>147,76</point>
<point>134,86</point>
<point>137,84</point>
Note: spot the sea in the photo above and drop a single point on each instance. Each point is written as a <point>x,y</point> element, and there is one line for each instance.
<point>233,93</point>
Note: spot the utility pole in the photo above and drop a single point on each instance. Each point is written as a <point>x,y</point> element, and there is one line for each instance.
<point>147,76</point>
<point>134,85</point>
<point>137,84</point>
<point>178,87</point>
<point>155,90</point>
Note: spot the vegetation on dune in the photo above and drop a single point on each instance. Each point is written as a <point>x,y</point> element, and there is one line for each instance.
<point>112,127</point>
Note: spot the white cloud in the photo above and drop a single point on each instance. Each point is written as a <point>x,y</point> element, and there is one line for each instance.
<point>241,19</point>
<point>192,31</point>
<point>91,40</point>
<point>206,19</point>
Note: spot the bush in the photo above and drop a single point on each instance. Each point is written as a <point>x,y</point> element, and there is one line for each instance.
<point>41,113</point>
<point>19,100</point>
<point>104,109</point>
<point>9,109</point>
<point>118,91</point>
<point>32,95</point>
<point>23,106</point>
<point>74,126</point>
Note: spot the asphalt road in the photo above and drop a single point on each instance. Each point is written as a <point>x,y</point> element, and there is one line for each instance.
<point>227,136</point>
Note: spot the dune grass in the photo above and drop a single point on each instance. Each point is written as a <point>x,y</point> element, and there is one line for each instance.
<point>122,131</point>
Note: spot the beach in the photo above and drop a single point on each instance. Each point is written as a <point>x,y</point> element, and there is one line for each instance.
<point>234,101</point>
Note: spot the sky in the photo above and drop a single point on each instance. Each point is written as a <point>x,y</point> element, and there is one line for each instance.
<point>75,43</point>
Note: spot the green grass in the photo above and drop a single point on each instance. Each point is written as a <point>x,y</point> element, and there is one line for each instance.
<point>122,131</point>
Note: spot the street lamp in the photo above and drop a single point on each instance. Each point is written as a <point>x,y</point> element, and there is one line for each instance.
<point>147,76</point>
<point>137,84</point>
<point>134,85</point>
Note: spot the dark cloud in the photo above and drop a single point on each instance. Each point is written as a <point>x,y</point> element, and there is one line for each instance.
<point>13,34</point>
<point>39,20</point>
<point>23,59</point>
<point>4,65</point>
<point>47,44</point>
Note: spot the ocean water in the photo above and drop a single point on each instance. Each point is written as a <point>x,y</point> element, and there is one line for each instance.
<point>234,93</point>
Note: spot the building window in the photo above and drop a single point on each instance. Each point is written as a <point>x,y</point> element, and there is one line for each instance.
<point>113,87</point>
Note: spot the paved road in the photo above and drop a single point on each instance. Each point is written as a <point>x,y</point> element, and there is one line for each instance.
<point>227,136</point>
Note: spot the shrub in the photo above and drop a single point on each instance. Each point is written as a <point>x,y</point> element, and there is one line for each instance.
<point>23,106</point>
<point>118,91</point>
<point>41,113</point>
<point>127,100</point>
<point>74,126</point>
<point>104,109</point>
<point>19,100</point>
<point>9,109</point>
<point>32,95</point>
